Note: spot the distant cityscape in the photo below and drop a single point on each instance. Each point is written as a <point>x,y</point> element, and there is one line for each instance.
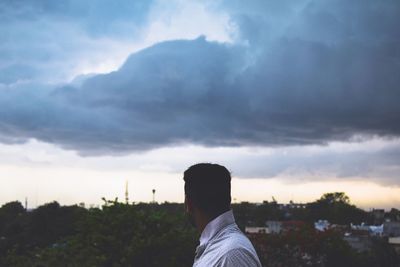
<point>329,231</point>
<point>385,225</point>
<point>379,223</point>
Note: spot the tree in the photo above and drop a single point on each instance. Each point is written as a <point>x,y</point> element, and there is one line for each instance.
<point>336,197</point>
<point>115,235</point>
<point>336,208</point>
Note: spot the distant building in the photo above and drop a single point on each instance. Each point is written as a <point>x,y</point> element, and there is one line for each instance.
<point>391,229</point>
<point>376,230</point>
<point>274,227</point>
<point>292,205</point>
<point>256,230</point>
<point>322,225</point>
<point>360,243</point>
<point>370,229</point>
<point>378,215</point>
<point>361,227</point>
<point>292,225</point>
<point>395,242</point>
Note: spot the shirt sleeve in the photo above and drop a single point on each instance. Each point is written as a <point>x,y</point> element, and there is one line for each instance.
<point>239,257</point>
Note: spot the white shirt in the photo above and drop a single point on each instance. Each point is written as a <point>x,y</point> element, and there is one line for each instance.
<point>223,244</point>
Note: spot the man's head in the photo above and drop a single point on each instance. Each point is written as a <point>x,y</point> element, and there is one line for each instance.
<point>207,189</point>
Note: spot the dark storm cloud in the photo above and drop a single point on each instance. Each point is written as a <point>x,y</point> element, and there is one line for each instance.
<point>43,40</point>
<point>298,73</point>
<point>100,17</point>
<point>161,95</point>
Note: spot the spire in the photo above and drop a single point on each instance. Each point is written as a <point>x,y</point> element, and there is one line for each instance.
<point>126,192</point>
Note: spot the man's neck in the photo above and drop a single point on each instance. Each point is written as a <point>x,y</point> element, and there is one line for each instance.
<point>204,219</point>
<point>202,222</point>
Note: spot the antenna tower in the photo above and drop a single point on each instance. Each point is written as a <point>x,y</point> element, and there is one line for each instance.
<point>126,193</point>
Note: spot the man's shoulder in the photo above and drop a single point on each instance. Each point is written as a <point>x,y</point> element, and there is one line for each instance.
<point>231,239</point>
<point>239,257</point>
<point>235,249</point>
<point>228,246</point>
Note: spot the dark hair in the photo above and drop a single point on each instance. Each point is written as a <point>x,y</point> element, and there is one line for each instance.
<point>209,187</point>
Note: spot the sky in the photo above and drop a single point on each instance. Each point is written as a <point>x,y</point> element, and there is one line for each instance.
<point>296,98</point>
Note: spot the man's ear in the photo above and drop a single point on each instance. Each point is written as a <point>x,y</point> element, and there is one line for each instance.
<point>188,205</point>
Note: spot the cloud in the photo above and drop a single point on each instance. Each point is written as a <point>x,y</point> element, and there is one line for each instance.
<point>374,160</point>
<point>50,41</point>
<point>108,111</point>
<point>298,73</point>
<point>100,18</point>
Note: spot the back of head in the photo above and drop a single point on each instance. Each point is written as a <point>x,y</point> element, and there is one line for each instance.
<point>209,188</point>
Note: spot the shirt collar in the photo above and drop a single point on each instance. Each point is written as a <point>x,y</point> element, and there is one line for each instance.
<point>214,226</point>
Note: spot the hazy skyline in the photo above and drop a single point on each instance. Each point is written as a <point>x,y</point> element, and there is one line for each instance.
<point>296,98</point>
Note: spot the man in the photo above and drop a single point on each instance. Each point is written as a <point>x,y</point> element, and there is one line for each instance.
<point>207,204</point>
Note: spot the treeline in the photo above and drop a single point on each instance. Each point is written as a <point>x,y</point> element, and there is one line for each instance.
<point>142,234</point>
<point>334,207</point>
<point>115,235</point>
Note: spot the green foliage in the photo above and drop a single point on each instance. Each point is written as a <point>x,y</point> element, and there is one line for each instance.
<point>10,219</point>
<point>144,235</point>
<point>116,235</point>
<point>304,247</point>
<point>307,247</point>
<point>336,208</point>
<point>248,214</point>
<point>394,214</point>
<point>336,197</point>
